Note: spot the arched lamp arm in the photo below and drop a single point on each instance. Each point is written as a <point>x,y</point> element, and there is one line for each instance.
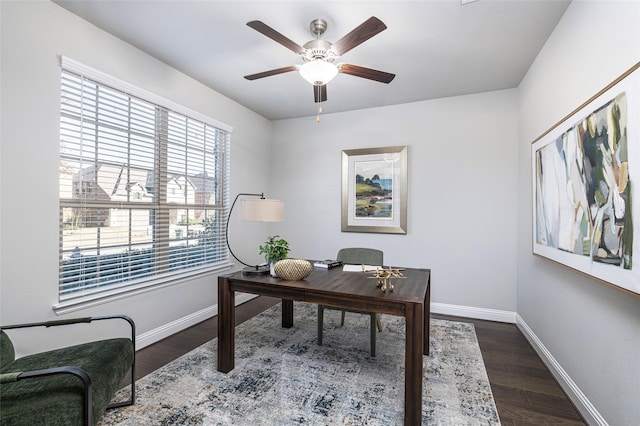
<point>226,233</point>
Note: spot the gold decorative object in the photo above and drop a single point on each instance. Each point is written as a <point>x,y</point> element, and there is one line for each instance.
<point>383,277</point>
<point>292,269</point>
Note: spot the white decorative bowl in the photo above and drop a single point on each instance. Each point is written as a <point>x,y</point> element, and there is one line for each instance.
<point>292,269</point>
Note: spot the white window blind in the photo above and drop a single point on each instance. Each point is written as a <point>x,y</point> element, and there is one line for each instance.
<point>143,190</point>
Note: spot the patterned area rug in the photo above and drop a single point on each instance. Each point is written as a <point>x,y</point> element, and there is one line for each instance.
<point>282,377</point>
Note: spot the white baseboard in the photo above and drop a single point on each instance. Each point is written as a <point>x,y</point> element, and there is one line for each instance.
<point>166,330</point>
<point>579,399</point>
<point>475,313</point>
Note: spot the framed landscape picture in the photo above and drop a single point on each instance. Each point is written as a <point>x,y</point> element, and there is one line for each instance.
<point>585,175</point>
<point>374,190</point>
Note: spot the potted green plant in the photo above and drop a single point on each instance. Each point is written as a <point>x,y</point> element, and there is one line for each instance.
<point>274,249</point>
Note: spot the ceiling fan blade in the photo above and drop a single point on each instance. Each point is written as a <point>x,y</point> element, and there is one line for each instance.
<point>271,72</point>
<point>274,35</point>
<point>371,74</point>
<point>358,35</point>
<point>320,93</point>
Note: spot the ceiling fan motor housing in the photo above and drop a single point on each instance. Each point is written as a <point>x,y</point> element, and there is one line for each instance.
<point>318,49</point>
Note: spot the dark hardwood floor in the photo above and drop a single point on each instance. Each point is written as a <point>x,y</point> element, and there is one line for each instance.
<point>524,390</point>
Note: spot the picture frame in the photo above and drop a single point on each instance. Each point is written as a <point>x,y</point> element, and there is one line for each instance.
<point>374,190</point>
<point>585,193</point>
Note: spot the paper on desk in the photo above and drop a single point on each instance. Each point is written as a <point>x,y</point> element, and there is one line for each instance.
<point>360,268</point>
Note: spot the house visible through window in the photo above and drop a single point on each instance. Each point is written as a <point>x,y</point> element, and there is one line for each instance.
<point>143,190</point>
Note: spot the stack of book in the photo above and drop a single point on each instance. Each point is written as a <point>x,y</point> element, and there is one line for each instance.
<point>327,264</point>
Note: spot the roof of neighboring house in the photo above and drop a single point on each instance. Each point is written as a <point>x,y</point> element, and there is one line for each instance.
<point>203,182</point>
<point>112,179</point>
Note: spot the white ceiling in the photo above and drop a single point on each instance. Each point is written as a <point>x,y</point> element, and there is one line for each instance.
<point>436,48</point>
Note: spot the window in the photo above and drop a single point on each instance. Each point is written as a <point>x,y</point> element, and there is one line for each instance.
<point>143,188</point>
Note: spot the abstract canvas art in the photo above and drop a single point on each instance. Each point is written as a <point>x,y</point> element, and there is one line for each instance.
<point>585,175</point>
<point>374,190</point>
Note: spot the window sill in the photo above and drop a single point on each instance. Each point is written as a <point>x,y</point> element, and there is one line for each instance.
<point>111,295</point>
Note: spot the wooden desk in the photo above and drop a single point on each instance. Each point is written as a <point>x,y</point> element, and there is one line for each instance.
<point>349,290</point>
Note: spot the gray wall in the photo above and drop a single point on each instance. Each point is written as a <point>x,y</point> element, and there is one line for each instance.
<point>592,330</point>
<point>462,201</point>
<point>33,34</point>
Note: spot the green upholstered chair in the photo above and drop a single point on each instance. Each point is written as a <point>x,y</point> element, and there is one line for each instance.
<point>356,256</point>
<point>67,386</point>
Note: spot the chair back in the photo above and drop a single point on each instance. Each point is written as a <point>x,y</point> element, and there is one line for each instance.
<point>361,256</point>
<point>7,352</point>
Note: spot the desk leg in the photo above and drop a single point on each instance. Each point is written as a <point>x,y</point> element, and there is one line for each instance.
<point>413,364</point>
<point>226,326</point>
<point>287,313</point>
<point>427,317</point>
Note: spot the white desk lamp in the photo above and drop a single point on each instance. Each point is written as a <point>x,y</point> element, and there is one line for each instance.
<point>256,210</point>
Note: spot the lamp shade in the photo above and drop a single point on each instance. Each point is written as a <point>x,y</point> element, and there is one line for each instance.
<point>318,72</point>
<point>263,210</point>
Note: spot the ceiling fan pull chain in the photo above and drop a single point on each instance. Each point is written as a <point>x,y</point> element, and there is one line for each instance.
<point>319,105</point>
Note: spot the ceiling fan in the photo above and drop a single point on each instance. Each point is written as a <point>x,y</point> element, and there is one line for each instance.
<point>318,55</point>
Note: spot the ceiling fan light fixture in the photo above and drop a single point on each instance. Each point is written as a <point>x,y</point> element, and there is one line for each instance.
<point>318,72</point>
